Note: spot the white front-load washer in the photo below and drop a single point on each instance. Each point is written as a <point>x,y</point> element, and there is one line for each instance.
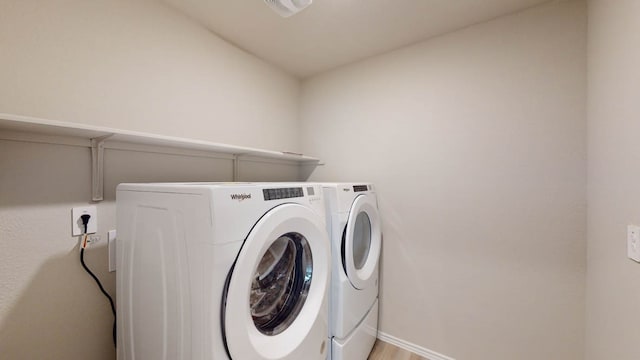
<point>222,271</point>
<point>353,223</point>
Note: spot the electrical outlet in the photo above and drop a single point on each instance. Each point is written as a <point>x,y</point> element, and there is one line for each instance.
<point>77,228</point>
<point>633,242</point>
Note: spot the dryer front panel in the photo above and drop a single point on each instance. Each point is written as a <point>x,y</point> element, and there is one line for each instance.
<point>362,242</point>
<point>276,294</point>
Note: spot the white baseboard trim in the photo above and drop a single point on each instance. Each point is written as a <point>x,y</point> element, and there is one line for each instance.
<point>418,350</point>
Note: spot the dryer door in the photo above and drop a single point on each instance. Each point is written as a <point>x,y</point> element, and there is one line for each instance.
<point>361,242</point>
<point>276,294</point>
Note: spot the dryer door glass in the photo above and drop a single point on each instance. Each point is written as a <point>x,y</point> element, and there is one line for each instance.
<point>361,240</point>
<point>281,283</point>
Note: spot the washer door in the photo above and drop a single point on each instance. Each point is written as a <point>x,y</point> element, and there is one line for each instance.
<point>361,242</point>
<point>275,303</point>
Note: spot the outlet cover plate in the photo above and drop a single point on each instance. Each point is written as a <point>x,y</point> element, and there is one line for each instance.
<point>77,228</point>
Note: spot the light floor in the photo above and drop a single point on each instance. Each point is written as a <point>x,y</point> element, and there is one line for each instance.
<point>383,351</point>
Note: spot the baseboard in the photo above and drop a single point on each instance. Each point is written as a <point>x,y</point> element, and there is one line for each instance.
<point>418,350</point>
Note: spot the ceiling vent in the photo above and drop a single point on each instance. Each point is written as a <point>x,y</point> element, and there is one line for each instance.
<point>286,8</point>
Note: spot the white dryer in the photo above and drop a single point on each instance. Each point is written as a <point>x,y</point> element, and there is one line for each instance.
<point>353,222</point>
<point>222,271</point>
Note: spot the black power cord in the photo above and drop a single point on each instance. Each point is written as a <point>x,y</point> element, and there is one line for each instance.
<point>85,220</point>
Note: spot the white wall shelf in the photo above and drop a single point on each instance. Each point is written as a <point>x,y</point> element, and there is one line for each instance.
<point>17,127</point>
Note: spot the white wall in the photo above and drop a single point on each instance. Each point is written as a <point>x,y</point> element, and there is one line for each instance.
<point>613,281</point>
<point>125,64</point>
<point>139,65</point>
<point>476,141</point>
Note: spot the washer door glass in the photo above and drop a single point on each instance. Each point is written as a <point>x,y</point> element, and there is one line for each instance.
<point>281,283</point>
<point>361,240</point>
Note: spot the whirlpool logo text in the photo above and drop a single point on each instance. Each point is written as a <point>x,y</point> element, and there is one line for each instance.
<point>240,197</point>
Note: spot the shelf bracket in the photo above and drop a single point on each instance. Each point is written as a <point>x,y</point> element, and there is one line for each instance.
<point>97,167</point>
